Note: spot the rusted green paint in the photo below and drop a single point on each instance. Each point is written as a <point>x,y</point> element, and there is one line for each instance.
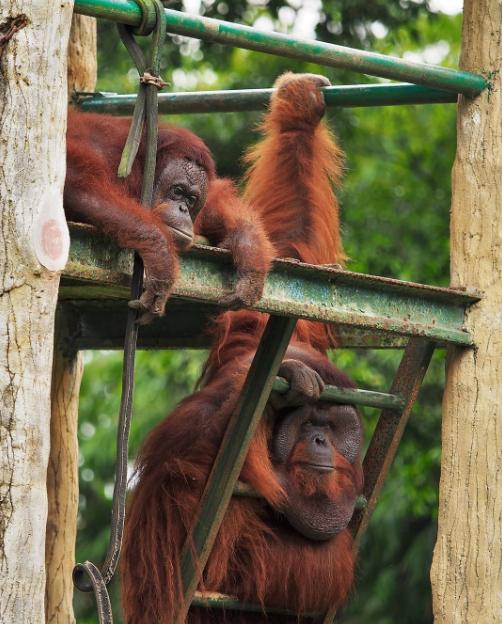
<point>356,337</point>
<point>292,289</point>
<point>328,54</point>
<point>102,324</point>
<point>391,424</point>
<point>257,99</point>
<point>95,261</point>
<point>232,453</point>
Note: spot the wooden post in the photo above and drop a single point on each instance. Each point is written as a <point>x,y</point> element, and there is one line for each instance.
<point>467,566</point>
<point>62,474</point>
<point>82,58</point>
<point>34,245</point>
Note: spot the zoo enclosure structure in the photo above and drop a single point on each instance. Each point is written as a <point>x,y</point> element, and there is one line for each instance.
<point>369,310</point>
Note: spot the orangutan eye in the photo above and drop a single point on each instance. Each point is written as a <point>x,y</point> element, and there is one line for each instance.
<point>192,200</point>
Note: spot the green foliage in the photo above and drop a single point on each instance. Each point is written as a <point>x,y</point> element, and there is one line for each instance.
<point>162,380</point>
<point>395,204</point>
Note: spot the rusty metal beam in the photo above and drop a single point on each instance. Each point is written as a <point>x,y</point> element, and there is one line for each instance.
<point>97,270</point>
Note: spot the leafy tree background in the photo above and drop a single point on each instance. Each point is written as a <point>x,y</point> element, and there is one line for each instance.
<point>395,204</point>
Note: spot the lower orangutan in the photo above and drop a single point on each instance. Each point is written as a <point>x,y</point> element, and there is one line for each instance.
<point>291,548</point>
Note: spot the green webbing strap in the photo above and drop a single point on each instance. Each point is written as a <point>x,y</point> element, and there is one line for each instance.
<point>86,576</point>
<point>150,82</point>
<point>149,18</point>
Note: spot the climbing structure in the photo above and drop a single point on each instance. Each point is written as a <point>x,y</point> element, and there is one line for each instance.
<point>369,310</point>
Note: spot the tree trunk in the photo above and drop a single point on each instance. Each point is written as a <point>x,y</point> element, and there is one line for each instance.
<point>34,245</point>
<point>62,474</point>
<point>467,566</point>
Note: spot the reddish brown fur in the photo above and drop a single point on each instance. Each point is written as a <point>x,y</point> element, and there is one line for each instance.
<point>289,183</point>
<point>254,557</point>
<point>257,557</point>
<point>291,176</point>
<point>94,194</point>
<point>333,484</point>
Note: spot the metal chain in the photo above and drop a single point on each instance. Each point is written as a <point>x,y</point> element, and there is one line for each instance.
<point>86,576</point>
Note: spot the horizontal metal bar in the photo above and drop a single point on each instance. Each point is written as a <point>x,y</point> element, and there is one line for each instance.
<point>245,490</point>
<point>213,600</point>
<point>236,100</point>
<point>352,396</point>
<point>328,54</point>
<point>99,270</point>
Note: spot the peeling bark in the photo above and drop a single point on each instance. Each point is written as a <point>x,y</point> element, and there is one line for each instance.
<point>32,165</point>
<point>467,566</point>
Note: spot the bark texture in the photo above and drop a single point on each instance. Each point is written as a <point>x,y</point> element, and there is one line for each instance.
<point>82,59</point>
<point>62,474</point>
<point>467,566</point>
<point>32,232</point>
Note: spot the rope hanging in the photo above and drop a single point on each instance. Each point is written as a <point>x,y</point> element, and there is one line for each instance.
<point>87,576</point>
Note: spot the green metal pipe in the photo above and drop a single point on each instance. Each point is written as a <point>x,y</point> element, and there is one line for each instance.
<point>328,54</point>
<point>352,396</point>
<point>239,100</point>
<point>121,11</point>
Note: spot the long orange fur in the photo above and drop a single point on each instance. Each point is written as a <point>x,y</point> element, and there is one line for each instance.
<point>254,558</point>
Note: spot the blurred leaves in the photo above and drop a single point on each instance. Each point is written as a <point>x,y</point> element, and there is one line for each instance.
<point>162,380</point>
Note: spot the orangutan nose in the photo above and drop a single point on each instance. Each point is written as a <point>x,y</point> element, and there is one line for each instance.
<point>319,440</point>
